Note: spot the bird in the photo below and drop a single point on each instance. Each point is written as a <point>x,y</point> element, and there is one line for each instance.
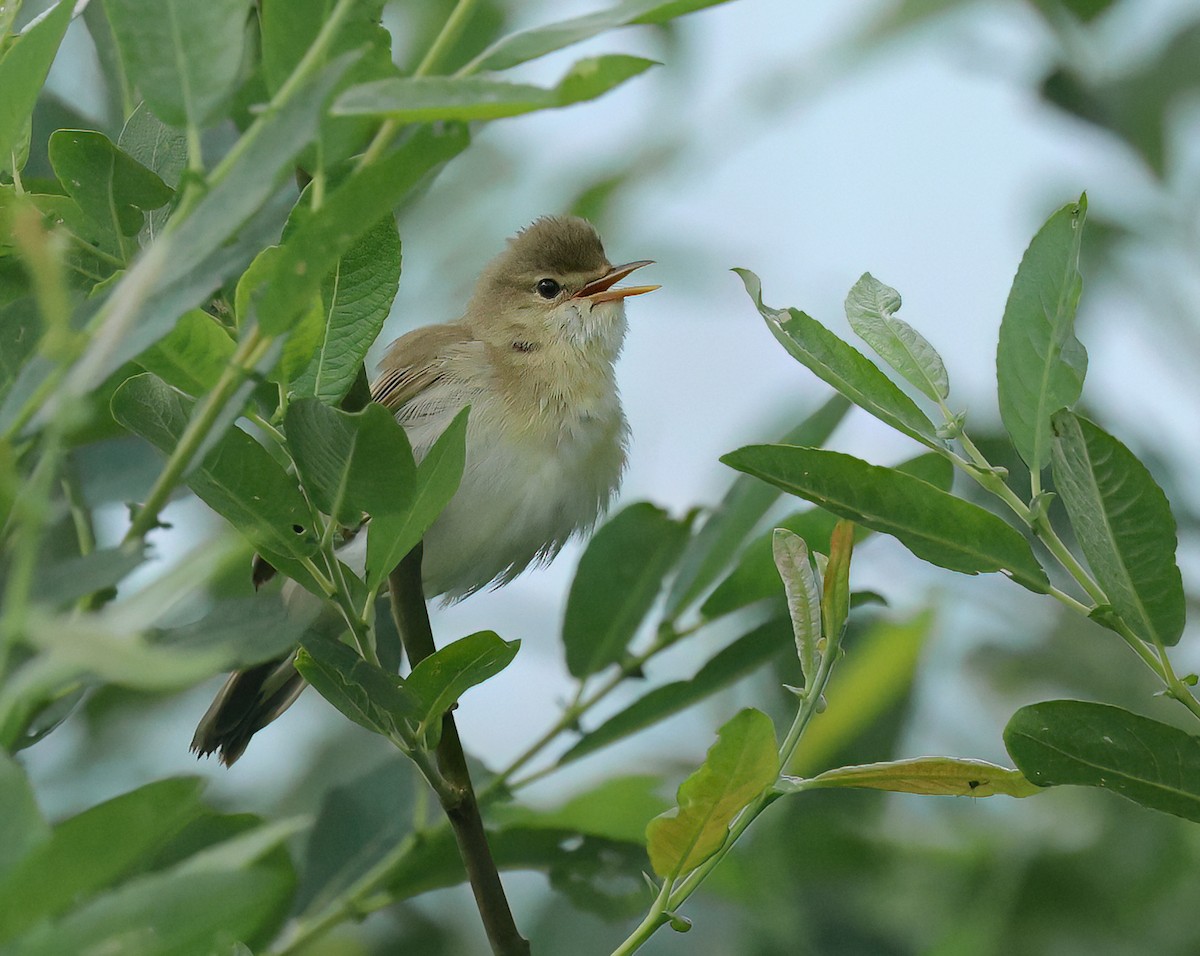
<point>533,355</point>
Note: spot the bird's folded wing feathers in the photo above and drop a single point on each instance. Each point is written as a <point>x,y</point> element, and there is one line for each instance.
<point>422,376</point>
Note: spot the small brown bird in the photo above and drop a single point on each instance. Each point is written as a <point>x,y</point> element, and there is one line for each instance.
<point>533,356</point>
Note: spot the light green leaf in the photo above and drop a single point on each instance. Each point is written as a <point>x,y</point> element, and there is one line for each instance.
<point>531,44</point>
<point>95,849</point>
<point>22,829</point>
<point>421,99</point>
<point>842,366</point>
<point>23,71</point>
<point>742,657</point>
<point>616,809</point>
<point>193,355</point>
<point>444,676</point>
<point>707,553</point>
<point>932,776</point>
<point>835,595</point>
<point>238,478</point>
<point>755,578</point>
<point>871,308</point>
<point>368,695</point>
<point>109,185</point>
<point>357,297</point>
<point>184,57</point>
<point>618,579</point>
<point>936,526</point>
<point>803,597</point>
<point>398,525</point>
<point>1096,745</point>
<point>1040,364</point>
<point>739,766</point>
<point>1124,524</point>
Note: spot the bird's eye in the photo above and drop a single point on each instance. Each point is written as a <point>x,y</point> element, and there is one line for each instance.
<point>548,288</point>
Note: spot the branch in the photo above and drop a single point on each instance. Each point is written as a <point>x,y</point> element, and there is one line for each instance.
<point>460,805</point>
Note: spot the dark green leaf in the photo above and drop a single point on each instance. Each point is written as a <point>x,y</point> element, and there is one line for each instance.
<point>349,212</point>
<point>708,553</point>
<point>421,99</point>
<point>619,578</point>
<point>441,678</point>
<point>61,583</point>
<point>247,631</point>
<point>742,657</point>
<point>932,776</point>
<point>323,443</point>
<point>238,478</point>
<point>109,185</point>
<point>357,297</point>
<point>91,851</point>
<point>22,829</point>
<point>23,70</point>
<point>368,695</point>
<point>739,766</point>
<point>1096,745</point>
<point>755,578</point>
<point>531,44</point>
<point>871,309</point>
<point>401,521</point>
<point>936,526</point>
<point>193,355</point>
<point>1124,525</point>
<point>184,57</point>
<point>1040,364</point>
<point>20,329</point>
<point>842,366</point>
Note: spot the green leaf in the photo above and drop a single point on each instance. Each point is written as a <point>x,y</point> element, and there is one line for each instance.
<point>739,766</point>
<point>238,478</point>
<point>936,526</point>
<point>357,297</point>
<point>20,329</point>
<point>93,850</point>
<point>421,99</point>
<point>617,809</point>
<point>184,57</point>
<point>22,829</point>
<point>193,355</point>
<point>444,676</point>
<point>1124,524</point>
<point>531,44</point>
<point>368,695</point>
<point>323,443</point>
<point>742,657</point>
<point>1096,745</point>
<point>803,598</point>
<point>397,525</point>
<point>707,554</point>
<point>1040,364</point>
<point>932,776</point>
<point>62,582</point>
<point>871,308</point>
<point>304,323</point>
<point>842,366</point>
<point>109,185</point>
<point>350,211</point>
<point>835,596</point>
<point>154,144</point>
<point>618,579</point>
<point>23,71</point>
<point>755,577</point>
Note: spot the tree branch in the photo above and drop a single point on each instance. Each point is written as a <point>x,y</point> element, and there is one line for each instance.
<point>460,805</point>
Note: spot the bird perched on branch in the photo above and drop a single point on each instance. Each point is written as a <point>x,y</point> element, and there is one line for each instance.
<point>533,357</point>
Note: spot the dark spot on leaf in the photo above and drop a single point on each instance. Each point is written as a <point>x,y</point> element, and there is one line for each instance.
<point>298,528</point>
<point>972,784</point>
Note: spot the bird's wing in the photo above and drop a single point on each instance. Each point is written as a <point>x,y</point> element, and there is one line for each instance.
<point>425,377</point>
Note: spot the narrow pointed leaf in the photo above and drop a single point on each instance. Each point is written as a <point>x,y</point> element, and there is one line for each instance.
<point>744,656</point>
<point>368,695</point>
<point>707,553</point>
<point>936,526</point>
<point>444,676</point>
<point>934,776</point>
<point>619,578</point>
<point>842,366</point>
<point>835,593</point>
<point>193,355</point>
<point>1040,364</point>
<point>739,766</point>
<point>23,70</point>
<point>1124,524</point>
<point>22,828</point>
<point>422,99</point>
<point>803,597</point>
<point>1097,745</point>
<point>871,308</point>
<point>184,57</point>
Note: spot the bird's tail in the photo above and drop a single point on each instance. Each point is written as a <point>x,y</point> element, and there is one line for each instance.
<point>249,701</point>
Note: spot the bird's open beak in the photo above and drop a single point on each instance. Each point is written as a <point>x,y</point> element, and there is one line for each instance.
<point>601,290</point>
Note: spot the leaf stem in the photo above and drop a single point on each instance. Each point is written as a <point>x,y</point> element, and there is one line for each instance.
<point>451,30</point>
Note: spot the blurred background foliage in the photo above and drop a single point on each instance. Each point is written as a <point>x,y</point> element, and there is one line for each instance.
<point>751,146</point>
